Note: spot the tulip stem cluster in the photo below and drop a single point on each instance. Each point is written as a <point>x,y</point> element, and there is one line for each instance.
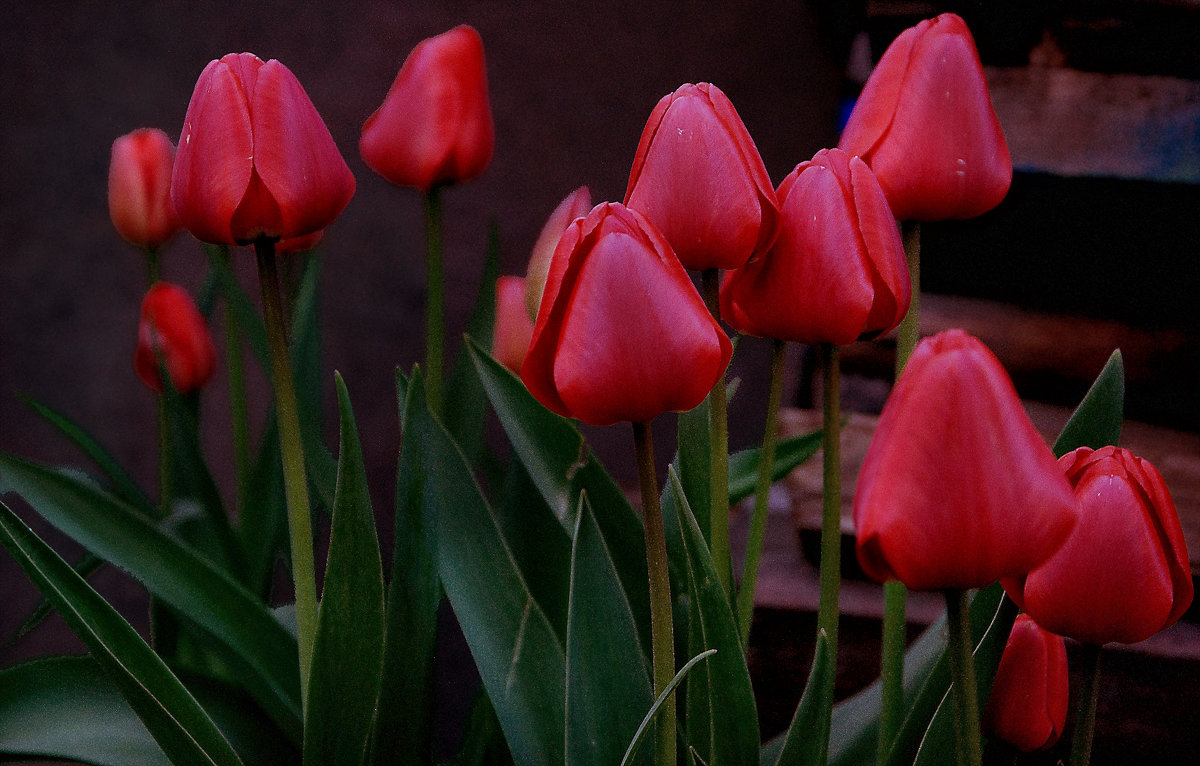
<point>762,491</point>
<point>1085,707</point>
<point>962,671</point>
<point>435,299</point>
<point>661,628</point>
<point>294,477</point>
<point>718,442</point>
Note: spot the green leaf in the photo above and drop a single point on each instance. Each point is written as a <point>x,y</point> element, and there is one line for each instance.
<point>644,727</point>
<point>172,572</point>
<point>403,731</point>
<point>172,716</point>
<point>123,484</point>
<point>262,526</point>
<point>807,740</point>
<point>552,450</point>
<point>251,324</point>
<point>789,453</point>
<point>305,348</point>
<point>66,708</point>
<point>607,678</point>
<point>468,404</point>
<point>695,464</point>
<point>483,743</point>
<point>722,721</point>
<point>347,651</point>
<point>1096,422</point>
<point>519,657</point>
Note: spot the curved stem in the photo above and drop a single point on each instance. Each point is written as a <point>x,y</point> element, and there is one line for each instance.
<point>831,505</point>
<point>661,629</point>
<point>290,447</point>
<point>762,491</point>
<point>435,300</point>
<point>1085,708</point>
<point>962,672</point>
<point>718,443</point>
<point>895,595</point>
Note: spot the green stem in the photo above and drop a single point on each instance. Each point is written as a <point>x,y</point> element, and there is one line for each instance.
<point>166,457</point>
<point>239,414</point>
<point>718,443</point>
<point>831,504</point>
<point>762,491</point>
<point>1085,708</point>
<point>661,629</point>
<point>435,300</point>
<point>152,267</point>
<point>292,451</point>
<point>962,673</point>
<point>895,595</point>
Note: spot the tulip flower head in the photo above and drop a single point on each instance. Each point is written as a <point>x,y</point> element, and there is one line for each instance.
<point>925,124</point>
<point>139,188</point>
<point>836,273</point>
<point>575,205</point>
<point>957,489</point>
<point>435,124</point>
<point>255,160</point>
<point>699,178</point>
<point>1028,704</point>
<point>1123,574</point>
<point>622,334</point>
<point>173,331</point>
<point>514,328</point>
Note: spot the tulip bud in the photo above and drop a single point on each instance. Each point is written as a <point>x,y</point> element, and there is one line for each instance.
<point>513,329</point>
<point>622,334</point>
<point>255,160</point>
<point>957,489</point>
<point>925,125</point>
<point>1028,704</point>
<point>575,205</point>
<point>836,273</point>
<point>172,332</point>
<point>435,124</point>
<point>699,178</point>
<point>139,188</point>
<point>1123,574</point>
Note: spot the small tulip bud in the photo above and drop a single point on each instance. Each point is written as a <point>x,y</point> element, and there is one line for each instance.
<point>172,332</point>
<point>575,205</point>
<point>139,188</point>
<point>1028,704</point>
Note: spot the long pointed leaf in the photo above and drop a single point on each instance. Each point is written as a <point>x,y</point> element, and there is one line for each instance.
<point>608,682</point>
<point>172,716</point>
<point>643,729</point>
<point>807,739</point>
<point>172,572</point>
<point>520,660</point>
<point>722,721</point>
<point>305,350</point>
<point>1096,422</point>
<point>348,650</point>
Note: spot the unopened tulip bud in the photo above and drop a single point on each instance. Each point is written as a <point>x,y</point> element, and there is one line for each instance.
<point>513,329</point>
<point>575,205</point>
<point>139,188</point>
<point>1027,707</point>
<point>173,333</point>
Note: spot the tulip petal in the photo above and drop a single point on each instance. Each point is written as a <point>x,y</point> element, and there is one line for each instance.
<point>215,157</point>
<point>295,156</point>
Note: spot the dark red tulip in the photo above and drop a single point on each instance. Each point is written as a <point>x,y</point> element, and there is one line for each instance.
<point>1028,704</point>
<point>139,188</point>
<point>435,124</point>
<point>836,272</point>
<point>513,327</point>
<point>621,333</point>
<point>172,330</point>
<point>255,160</point>
<point>958,489</point>
<point>925,125</point>
<point>1123,574</point>
<point>699,178</point>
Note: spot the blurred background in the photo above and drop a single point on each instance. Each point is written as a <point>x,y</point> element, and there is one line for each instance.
<point>1097,245</point>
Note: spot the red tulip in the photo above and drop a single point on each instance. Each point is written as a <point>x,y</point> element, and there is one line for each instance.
<point>1123,574</point>
<point>139,188</point>
<point>435,124</point>
<point>699,178</point>
<point>837,271</point>
<point>1028,704</point>
<point>255,160</point>
<point>575,205</point>
<point>513,329</point>
<point>622,333</point>
<point>172,330</point>
<point>925,125</point>
<point>957,488</point>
